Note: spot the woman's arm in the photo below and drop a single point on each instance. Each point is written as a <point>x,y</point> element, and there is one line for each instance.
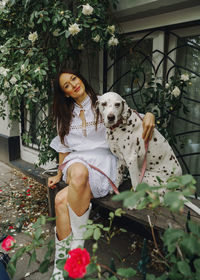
<point>148,126</point>
<point>55,179</point>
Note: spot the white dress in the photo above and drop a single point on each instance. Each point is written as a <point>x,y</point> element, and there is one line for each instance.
<point>91,148</point>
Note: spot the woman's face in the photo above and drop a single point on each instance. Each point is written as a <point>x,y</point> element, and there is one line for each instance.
<point>73,87</point>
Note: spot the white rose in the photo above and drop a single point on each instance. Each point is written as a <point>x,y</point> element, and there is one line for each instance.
<point>33,36</point>
<point>96,38</point>
<point>184,77</point>
<point>113,41</point>
<point>166,85</point>
<point>87,10</point>
<point>176,92</point>
<point>13,80</point>
<point>3,4</point>
<point>111,29</point>
<point>56,32</point>
<point>3,71</point>
<point>74,29</point>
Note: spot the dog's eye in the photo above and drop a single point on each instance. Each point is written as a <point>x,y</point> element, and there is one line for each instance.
<point>117,105</point>
<point>104,104</point>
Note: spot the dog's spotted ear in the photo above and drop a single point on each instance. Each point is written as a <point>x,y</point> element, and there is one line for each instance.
<point>126,112</point>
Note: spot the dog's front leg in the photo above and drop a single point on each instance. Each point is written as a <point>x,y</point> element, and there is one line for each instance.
<point>133,169</point>
<point>120,172</point>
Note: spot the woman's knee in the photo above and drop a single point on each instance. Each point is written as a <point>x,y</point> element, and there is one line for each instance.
<point>78,175</point>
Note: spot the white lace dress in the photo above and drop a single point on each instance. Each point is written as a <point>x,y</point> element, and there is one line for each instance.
<point>91,148</point>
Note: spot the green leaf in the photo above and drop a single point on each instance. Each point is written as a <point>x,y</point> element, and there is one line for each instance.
<point>184,268</point>
<point>38,233</point>
<point>61,263</point>
<point>172,185</point>
<point>11,268</point>
<point>186,179</point>
<point>111,214</point>
<point>172,199</point>
<point>97,234</point>
<point>44,266</point>
<point>67,33</point>
<point>142,187</point>
<point>91,268</point>
<point>32,258</point>
<point>194,227</point>
<point>88,233</point>
<point>172,235</point>
<point>197,265</point>
<point>191,245</point>
<point>119,212</point>
<point>126,272</point>
<point>122,195</point>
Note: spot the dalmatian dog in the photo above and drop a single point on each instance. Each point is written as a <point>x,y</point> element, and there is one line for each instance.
<point>124,135</point>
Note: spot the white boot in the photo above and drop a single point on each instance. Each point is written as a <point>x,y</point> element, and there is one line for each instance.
<point>65,243</point>
<point>76,222</point>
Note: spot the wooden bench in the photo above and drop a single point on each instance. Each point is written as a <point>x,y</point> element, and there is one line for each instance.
<point>161,217</point>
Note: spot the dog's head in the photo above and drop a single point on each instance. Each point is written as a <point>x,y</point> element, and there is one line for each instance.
<point>113,108</point>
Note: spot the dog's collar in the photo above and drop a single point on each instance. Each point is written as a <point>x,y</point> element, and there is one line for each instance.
<point>116,125</point>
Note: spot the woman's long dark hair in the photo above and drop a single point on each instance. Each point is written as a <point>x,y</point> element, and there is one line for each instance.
<point>63,106</point>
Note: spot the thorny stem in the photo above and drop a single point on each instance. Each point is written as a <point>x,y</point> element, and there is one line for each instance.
<point>155,242</point>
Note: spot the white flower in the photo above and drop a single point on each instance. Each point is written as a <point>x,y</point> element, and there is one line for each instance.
<point>166,85</point>
<point>185,77</point>
<point>176,91</point>
<point>6,84</point>
<point>3,71</point>
<point>13,80</point>
<point>33,36</point>
<point>96,38</point>
<point>56,32</point>
<point>3,4</point>
<point>74,29</point>
<point>87,10</point>
<point>111,29</point>
<point>113,41</point>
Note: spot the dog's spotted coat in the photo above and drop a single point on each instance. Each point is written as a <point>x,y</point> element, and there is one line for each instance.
<point>124,134</point>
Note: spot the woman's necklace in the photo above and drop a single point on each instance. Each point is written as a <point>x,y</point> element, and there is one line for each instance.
<point>82,116</point>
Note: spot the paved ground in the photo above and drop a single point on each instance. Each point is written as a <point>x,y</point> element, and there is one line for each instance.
<point>23,200</point>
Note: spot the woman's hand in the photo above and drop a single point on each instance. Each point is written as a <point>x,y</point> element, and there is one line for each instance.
<point>52,181</point>
<point>148,126</point>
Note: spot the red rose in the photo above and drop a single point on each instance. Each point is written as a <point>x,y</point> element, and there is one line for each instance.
<point>77,262</point>
<point>8,243</point>
<point>24,178</point>
<point>28,190</point>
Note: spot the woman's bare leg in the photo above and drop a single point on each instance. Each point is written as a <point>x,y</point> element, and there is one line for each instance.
<point>77,194</point>
<point>63,227</point>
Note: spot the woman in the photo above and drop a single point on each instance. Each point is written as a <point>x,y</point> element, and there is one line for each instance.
<point>78,143</point>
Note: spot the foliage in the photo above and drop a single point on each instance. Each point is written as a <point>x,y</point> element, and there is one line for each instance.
<point>163,98</point>
<point>37,38</point>
<point>181,249</point>
<point>182,255</point>
<point>171,195</point>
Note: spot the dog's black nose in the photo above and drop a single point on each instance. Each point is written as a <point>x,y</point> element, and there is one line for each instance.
<point>111,117</point>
